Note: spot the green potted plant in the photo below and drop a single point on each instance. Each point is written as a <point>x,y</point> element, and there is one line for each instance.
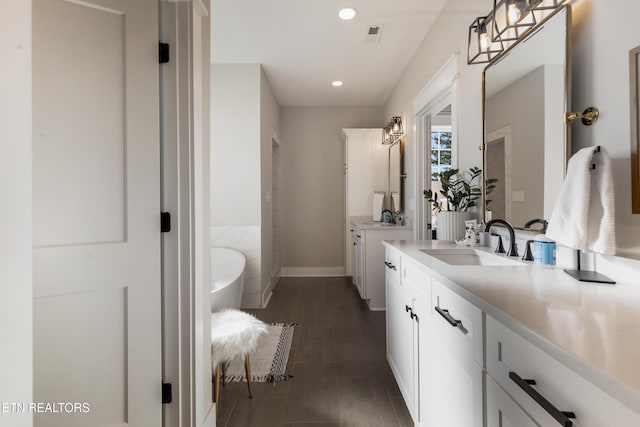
<point>458,194</point>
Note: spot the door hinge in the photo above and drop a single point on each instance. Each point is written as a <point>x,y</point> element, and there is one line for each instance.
<point>165,222</point>
<point>163,53</point>
<point>166,393</point>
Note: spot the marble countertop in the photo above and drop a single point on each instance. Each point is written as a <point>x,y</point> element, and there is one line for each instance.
<point>594,329</point>
<point>366,223</point>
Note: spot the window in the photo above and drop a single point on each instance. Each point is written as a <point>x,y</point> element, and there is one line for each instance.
<point>441,140</point>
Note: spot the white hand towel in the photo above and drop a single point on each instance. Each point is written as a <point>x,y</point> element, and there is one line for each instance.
<point>583,217</point>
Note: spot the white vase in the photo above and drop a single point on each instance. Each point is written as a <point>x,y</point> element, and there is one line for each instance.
<point>450,225</point>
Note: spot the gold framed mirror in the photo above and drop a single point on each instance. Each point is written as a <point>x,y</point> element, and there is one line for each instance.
<point>526,145</point>
<point>396,175</point>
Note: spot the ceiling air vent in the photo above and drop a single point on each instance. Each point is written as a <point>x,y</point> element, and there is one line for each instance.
<point>373,33</point>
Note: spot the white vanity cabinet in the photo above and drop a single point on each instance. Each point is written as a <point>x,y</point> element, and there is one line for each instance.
<point>401,346</point>
<point>365,170</point>
<point>546,389</point>
<point>408,317</point>
<point>369,269</point>
<point>457,366</point>
<point>454,394</point>
<point>436,361</point>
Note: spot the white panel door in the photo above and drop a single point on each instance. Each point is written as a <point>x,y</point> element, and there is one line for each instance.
<point>96,188</point>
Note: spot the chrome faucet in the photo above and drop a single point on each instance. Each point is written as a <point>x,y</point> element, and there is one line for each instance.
<point>543,222</point>
<point>513,249</point>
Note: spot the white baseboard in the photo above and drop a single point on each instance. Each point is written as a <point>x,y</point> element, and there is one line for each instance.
<point>268,292</point>
<point>210,418</point>
<point>312,272</point>
<point>251,301</point>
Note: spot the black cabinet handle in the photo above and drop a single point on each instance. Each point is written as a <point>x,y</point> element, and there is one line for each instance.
<point>389,265</point>
<point>414,316</point>
<point>560,416</point>
<point>408,309</point>
<point>445,313</point>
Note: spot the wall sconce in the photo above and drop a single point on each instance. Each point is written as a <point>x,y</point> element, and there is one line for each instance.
<point>396,126</point>
<point>543,8</point>
<point>511,19</point>
<point>535,5</point>
<point>386,135</point>
<point>480,48</point>
<point>393,131</point>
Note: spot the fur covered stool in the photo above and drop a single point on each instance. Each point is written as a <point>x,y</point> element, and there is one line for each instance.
<point>234,333</point>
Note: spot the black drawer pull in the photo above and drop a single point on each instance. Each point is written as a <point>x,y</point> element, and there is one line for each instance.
<point>408,309</point>
<point>389,265</point>
<point>414,316</point>
<point>560,416</point>
<point>445,313</point>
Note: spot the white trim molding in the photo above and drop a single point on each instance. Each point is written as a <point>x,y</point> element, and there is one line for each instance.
<point>440,91</point>
<point>312,272</point>
<point>439,84</point>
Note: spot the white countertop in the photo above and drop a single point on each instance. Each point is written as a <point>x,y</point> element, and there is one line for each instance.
<point>594,329</point>
<point>367,223</point>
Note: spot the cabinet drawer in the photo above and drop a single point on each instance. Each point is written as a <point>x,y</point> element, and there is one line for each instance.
<point>502,411</point>
<point>416,281</point>
<point>514,361</point>
<point>457,323</point>
<point>392,263</point>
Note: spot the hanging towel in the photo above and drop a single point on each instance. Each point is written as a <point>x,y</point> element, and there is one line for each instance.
<point>584,216</point>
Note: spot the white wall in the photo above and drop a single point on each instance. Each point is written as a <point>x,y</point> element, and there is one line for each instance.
<point>312,232</point>
<point>235,145</point>
<point>603,33</point>
<point>245,116</point>
<point>269,129</point>
<point>446,37</point>
<point>15,192</point>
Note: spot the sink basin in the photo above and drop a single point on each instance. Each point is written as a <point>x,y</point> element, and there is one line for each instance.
<point>470,257</point>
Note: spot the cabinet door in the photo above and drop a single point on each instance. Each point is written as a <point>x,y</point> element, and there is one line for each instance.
<point>453,388</point>
<point>422,320</point>
<point>502,411</point>
<point>400,340</point>
<point>352,251</point>
<point>360,268</point>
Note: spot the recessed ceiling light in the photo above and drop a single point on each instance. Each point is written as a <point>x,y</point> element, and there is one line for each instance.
<point>337,83</point>
<point>347,13</point>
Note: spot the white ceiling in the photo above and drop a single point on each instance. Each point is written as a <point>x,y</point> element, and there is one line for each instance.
<point>304,46</point>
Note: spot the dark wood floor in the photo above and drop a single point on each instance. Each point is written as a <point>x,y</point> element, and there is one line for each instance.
<point>338,359</point>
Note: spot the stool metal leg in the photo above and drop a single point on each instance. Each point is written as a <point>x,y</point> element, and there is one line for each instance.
<point>216,389</point>
<point>247,370</point>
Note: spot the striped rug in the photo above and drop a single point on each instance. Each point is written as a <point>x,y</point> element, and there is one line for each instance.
<point>269,360</point>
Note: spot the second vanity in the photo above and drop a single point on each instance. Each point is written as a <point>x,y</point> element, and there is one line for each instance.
<point>476,339</point>
<point>368,257</point>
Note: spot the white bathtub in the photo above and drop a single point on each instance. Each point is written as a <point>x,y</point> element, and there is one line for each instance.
<point>227,278</point>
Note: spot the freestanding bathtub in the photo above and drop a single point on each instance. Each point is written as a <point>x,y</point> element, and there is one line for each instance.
<point>227,278</point>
